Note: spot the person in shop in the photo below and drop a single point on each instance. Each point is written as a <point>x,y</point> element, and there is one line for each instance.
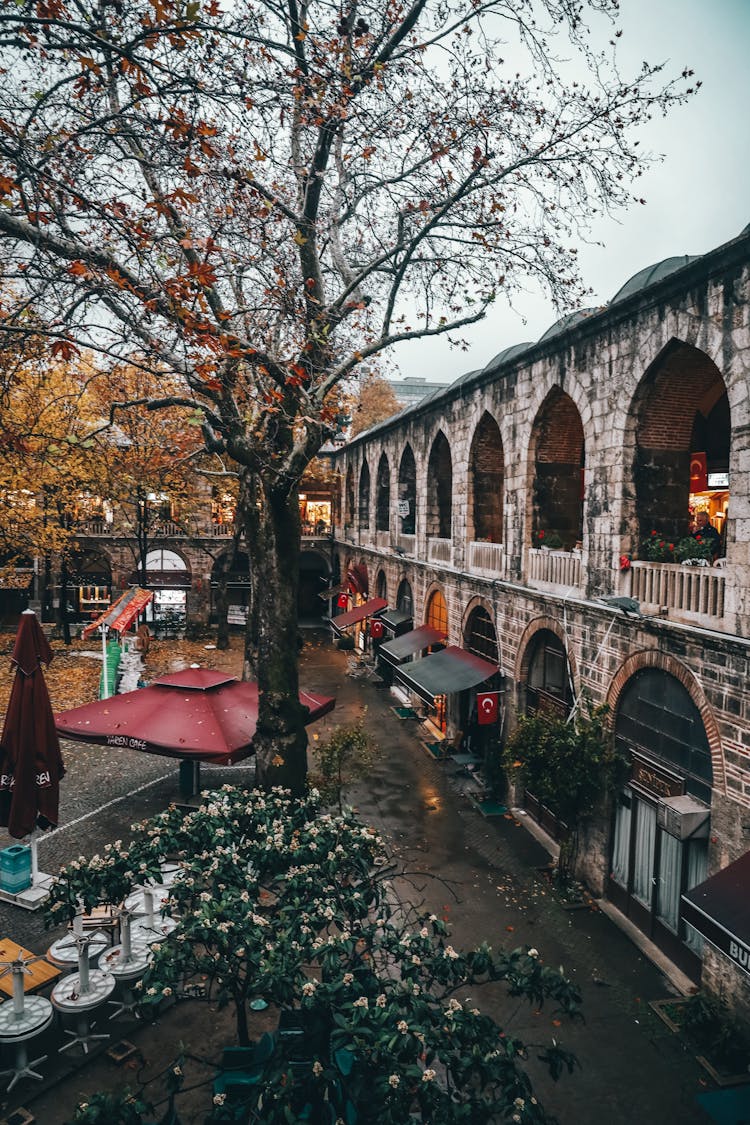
<point>707,533</point>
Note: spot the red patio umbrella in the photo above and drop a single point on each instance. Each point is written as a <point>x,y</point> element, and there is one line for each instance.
<point>31,764</point>
<point>197,714</point>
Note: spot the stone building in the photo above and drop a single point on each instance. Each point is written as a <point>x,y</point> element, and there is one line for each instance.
<point>537,512</point>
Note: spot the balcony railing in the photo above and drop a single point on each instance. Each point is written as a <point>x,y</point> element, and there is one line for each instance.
<point>221,530</point>
<point>695,593</point>
<point>554,568</point>
<point>406,543</point>
<point>440,550</point>
<point>167,529</point>
<point>486,558</point>
<point>95,527</point>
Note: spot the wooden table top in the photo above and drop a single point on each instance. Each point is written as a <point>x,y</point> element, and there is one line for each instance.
<point>37,975</point>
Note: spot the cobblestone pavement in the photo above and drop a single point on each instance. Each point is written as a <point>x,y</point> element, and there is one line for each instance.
<point>485,877</point>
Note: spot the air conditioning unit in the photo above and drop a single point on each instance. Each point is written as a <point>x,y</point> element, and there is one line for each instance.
<point>683,817</point>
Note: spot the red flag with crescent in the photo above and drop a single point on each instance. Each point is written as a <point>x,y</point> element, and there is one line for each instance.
<point>376,629</point>
<point>487,707</point>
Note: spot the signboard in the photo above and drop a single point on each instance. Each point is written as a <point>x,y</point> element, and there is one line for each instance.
<point>718,480</point>
<point>487,707</point>
<point>403,508</point>
<point>659,782</point>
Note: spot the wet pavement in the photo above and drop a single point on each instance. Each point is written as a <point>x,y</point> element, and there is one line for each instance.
<point>483,873</point>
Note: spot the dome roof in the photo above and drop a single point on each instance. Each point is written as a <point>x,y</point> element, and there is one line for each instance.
<point>509,353</point>
<point>565,322</point>
<point>651,274</point>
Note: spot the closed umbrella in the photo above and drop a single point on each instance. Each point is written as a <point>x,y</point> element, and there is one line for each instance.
<point>31,764</point>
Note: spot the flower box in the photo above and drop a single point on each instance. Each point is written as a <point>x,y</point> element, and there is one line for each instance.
<point>668,1012</point>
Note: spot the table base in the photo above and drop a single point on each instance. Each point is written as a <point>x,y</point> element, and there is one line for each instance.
<point>82,1035</point>
<point>23,1068</point>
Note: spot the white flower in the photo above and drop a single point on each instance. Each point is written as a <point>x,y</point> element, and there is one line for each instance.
<point>361,1002</point>
<point>393,1080</point>
<point>348,978</point>
<point>533,953</point>
<point>177,1071</point>
<point>450,953</point>
<point>166,991</point>
<point>519,1103</point>
<point>402,1026</point>
<point>428,1075</point>
<point>317,1068</point>
<point>219,1099</point>
<point>380,1000</point>
<point>308,988</point>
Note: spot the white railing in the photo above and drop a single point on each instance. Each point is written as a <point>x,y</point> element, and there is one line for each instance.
<point>95,527</point>
<point>440,550</point>
<point>486,557</point>
<point>221,530</point>
<point>555,568</point>
<point>383,540</point>
<point>693,592</point>
<point>406,543</point>
<point>168,529</point>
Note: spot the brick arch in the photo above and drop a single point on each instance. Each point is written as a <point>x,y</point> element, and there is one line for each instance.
<point>432,589</point>
<point>486,479</point>
<point>523,655</point>
<point>580,396</point>
<point>681,379</point>
<point>653,658</point>
<point>479,602</point>
<point>557,447</point>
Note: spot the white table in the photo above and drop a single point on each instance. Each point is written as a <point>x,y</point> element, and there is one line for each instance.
<point>78,995</point>
<point>63,953</point>
<point>17,1028</point>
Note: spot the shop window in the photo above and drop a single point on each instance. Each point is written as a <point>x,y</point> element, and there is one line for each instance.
<point>480,636</point>
<point>548,684</point>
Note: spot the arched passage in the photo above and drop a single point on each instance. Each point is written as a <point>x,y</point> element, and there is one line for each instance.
<point>407,491</point>
<point>683,436</point>
<point>314,573</point>
<point>439,488</point>
<point>558,460</point>
<point>383,495</point>
<point>364,496</point>
<point>486,482</point>
<point>662,816</point>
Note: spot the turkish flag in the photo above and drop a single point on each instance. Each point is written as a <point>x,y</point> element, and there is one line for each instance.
<point>487,707</point>
<point>342,601</point>
<point>376,629</point>
<point>698,472</point>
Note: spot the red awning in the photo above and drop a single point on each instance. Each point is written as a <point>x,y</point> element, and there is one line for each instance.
<point>719,908</point>
<point>197,713</point>
<point>122,613</point>
<point>359,613</point>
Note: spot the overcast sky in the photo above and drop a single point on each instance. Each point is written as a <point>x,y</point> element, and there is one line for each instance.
<point>696,199</point>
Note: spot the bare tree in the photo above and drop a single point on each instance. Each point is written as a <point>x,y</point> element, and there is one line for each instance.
<point>258,201</point>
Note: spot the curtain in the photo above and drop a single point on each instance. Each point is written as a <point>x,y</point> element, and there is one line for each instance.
<point>621,846</point>
<point>670,872</point>
<point>697,868</point>
<point>644,851</point>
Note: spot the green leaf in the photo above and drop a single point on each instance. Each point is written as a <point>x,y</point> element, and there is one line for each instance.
<point>344,1060</point>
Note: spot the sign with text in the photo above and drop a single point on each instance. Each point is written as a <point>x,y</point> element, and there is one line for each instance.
<point>403,508</point>
<point>654,780</point>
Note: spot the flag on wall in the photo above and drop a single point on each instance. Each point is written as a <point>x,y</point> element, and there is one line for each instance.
<point>376,629</point>
<point>487,707</point>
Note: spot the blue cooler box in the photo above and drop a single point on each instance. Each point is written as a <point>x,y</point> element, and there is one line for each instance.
<point>15,868</point>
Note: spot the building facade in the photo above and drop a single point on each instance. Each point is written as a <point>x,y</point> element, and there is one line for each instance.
<point>544,508</point>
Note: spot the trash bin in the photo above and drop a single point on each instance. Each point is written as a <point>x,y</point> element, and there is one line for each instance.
<point>15,868</point>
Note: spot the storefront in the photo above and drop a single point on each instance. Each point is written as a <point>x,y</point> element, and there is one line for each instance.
<point>448,674</point>
<point>662,816</point>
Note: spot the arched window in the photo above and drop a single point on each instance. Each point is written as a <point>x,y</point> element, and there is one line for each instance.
<point>381,585</point>
<point>383,495</point>
<point>407,492</point>
<point>548,687</point>
<point>439,489</point>
<point>349,514</point>
<point>683,436</point>
<point>486,482</point>
<point>558,445</point>
<point>364,496</point>
<point>404,600</point>
<point>437,613</point>
<point>480,636</point>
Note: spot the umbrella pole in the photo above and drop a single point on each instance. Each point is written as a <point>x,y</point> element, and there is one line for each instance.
<point>33,845</point>
<point>105,669</point>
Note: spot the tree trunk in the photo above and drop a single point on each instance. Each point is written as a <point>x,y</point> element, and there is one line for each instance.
<point>270,515</point>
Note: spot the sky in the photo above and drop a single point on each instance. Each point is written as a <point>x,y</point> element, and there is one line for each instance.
<point>697,198</point>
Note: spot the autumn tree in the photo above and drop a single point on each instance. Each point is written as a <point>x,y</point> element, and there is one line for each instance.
<point>376,402</point>
<point>258,201</point>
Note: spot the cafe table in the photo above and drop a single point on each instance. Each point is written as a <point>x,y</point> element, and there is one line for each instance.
<point>23,1017</point>
<point>79,994</point>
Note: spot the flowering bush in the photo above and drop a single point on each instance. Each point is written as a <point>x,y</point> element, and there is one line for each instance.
<point>657,548</point>
<point>547,539</point>
<point>278,900</point>
<point>693,549</point>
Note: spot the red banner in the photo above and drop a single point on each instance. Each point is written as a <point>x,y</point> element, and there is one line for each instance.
<point>487,707</point>
<point>376,629</point>
<point>342,601</point>
<point>698,472</point>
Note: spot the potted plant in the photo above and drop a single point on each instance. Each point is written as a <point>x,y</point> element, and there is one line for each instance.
<point>693,551</point>
<point>657,548</point>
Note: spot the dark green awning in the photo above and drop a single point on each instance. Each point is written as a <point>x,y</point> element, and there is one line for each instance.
<point>444,673</point>
<point>408,643</point>
<point>394,618</point>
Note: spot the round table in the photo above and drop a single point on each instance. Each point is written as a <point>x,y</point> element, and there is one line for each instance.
<point>142,934</point>
<point>136,902</point>
<point>16,1030</point>
<point>125,970</point>
<point>63,953</point>
<point>68,999</point>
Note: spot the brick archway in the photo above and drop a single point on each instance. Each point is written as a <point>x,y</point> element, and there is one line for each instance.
<point>525,647</point>
<point>652,658</point>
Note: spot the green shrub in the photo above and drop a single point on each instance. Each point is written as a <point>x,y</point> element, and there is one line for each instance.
<point>712,1029</point>
<point>657,548</point>
<point>690,548</point>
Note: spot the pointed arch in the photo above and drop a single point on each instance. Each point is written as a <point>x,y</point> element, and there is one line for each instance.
<point>486,481</point>
<point>558,459</point>
<point>407,490</point>
<point>440,488</point>
<point>364,496</point>
<point>383,495</point>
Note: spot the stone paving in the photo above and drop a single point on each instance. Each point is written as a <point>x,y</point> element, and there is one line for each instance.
<point>482,872</point>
